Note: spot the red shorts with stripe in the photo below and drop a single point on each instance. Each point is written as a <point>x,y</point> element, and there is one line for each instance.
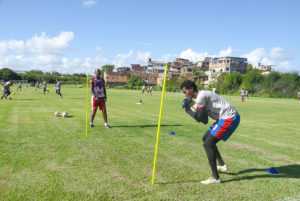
<point>99,102</point>
<point>223,128</point>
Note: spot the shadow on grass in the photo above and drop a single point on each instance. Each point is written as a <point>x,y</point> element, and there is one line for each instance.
<point>144,126</point>
<point>25,99</point>
<point>181,182</point>
<point>288,171</point>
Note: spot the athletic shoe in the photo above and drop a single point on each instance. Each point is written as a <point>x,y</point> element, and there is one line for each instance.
<point>107,126</point>
<point>211,180</point>
<point>222,168</point>
<point>91,125</point>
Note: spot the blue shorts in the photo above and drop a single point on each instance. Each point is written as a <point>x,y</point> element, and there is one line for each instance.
<point>57,89</point>
<point>4,92</point>
<point>223,128</point>
<point>44,88</point>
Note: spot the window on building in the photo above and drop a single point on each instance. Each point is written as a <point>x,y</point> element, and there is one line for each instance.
<point>227,69</point>
<point>107,77</point>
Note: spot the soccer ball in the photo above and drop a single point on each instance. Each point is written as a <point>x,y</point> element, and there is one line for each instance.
<point>57,114</point>
<point>64,114</point>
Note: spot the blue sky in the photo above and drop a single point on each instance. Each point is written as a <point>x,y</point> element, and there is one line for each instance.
<point>73,36</point>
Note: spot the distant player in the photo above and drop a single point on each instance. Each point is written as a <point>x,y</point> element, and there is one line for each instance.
<point>298,97</point>
<point>37,86</point>
<point>246,94</point>
<point>143,90</point>
<point>226,119</point>
<point>150,89</point>
<point>45,88</point>
<point>26,85</point>
<point>19,87</point>
<point>243,94</point>
<point>99,97</point>
<point>6,89</point>
<point>58,87</point>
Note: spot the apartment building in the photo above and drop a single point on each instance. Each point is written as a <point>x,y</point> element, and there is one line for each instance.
<point>157,65</point>
<point>137,68</point>
<point>226,65</point>
<point>203,65</point>
<point>262,67</point>
<point>123,70</point>
<point>182,67</point>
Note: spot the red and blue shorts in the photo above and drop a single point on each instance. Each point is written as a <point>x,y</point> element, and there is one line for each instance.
<point>223,128</point>
<point>98,103</point>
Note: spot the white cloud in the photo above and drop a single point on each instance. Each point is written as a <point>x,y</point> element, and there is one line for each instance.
<point>255,56</point>
<point>277,57</point>
<point>284,67</point>
<point>39,44</point>
<point>3,48</point>
<point>42,52</point>
<point>45,45</point>
<point>225,53</point>
<point>120,59</point>
<point>277,53</point>
<point>193,56</point>
<point>142,58</point>
<point>89,3</point>
<point>168,57</point>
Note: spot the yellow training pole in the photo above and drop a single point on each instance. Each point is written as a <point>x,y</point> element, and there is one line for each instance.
<point>87,104</point>
<point>159,121</point>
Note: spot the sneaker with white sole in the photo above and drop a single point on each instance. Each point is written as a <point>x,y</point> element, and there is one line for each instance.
<point>211,180</point>
<point>222,168</point>
<point>107,126</point>
<point>91,125</point>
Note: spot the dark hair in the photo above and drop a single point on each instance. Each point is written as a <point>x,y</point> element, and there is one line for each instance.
<point>188,84</point>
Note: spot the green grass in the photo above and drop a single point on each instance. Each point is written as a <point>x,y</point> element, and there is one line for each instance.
<point>43,157</point>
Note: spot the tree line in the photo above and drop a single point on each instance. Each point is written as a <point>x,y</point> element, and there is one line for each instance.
<point>36,75</point>
<point>274,84</point>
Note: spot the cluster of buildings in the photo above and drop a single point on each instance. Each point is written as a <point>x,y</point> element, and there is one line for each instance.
<point>153,72</point>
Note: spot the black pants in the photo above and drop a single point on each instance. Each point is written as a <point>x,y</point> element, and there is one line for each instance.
<point>212,153</point>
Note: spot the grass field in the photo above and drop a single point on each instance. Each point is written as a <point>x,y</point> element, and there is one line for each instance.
<point>43,157</point>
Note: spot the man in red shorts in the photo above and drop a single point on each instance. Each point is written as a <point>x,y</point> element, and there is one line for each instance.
<point>97,88</point>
